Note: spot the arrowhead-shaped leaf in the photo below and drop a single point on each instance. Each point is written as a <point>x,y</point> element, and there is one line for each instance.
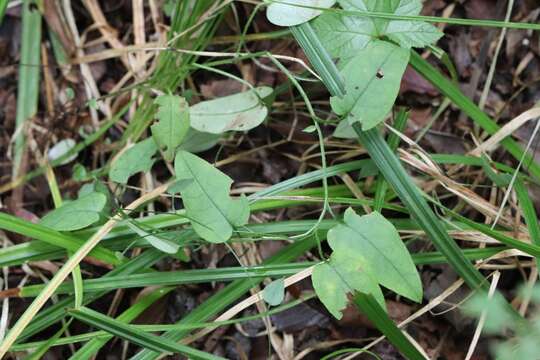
<point>213,213</point>
<point>138,158</point>
<point>341,275</point>
<point>288,14</point>
<point>376,239</point>
<point>239,112</point>
<point>172,125</point>
<point>373,80</point>
<point>76,214</point>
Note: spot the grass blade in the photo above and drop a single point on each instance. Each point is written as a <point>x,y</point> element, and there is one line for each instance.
<point>28,85</point>
<point>93,346</point>
<point>139,337</point>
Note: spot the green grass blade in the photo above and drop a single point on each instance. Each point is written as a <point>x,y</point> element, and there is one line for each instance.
<point>139,337</point>
<point>93,346</point>
<point>56,312</point>
<point>393,142</point>
<point>3,7</point>
<point>229,294</point>
<point>378,316</point>
<point>529,213</point>
<point>174,278</point>
<point>28,84</point>
<point>450,90</point>
<point>53,237</point>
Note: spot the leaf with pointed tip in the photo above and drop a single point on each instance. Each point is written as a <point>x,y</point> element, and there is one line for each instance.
<point>421,32</point>
<point>138,158</point>
<point>156,241</point>
<point>213,213</point>
<point>379,243</point>
<point>341,275</point>
<point>409,34</point>
<point>239,112</point>
<point>76,214</point>
<point>373,80</point>
<point>172,125</point>
<point>287,14</point>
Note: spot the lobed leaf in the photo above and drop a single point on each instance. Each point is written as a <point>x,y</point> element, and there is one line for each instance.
<point>377,240</point>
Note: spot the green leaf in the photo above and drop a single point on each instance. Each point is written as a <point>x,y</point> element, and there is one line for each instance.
<point>341,275</point>
<point>289,15</point>
<point>138,158</point>
<point>158,242</point>
<point>172,125</point>
<point>372,83</point>
<point>410,34</point>
<point>197,141</point>
<point>344,130</point>
<point>274,293</point>
<point>377,240</point>
<point>77,214</point>
<point>344,36</point>
<point>238,112</point>
<point>397,7</point>
<point>213,213</point>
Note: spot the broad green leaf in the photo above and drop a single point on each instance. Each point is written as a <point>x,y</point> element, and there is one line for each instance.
<point>76,214</point>
<point>341,275</point>
<point>239,112</point>
<point>372,83</point>
<point>213,213</point>
<point>410,34</point>
<point>138,158</point>
<point>287,14</point>
<point>274,293</point>
<point>156,241</point>
<point>172,125</point>
<point>376,239</point>
<point>344,36</point>
<point>386,6</point>
<point>197,141</point>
